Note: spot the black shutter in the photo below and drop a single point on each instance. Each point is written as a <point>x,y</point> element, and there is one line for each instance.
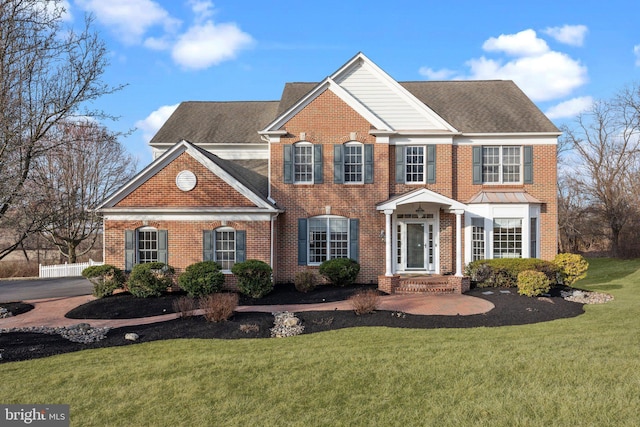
<point>317,164</point>
<point>302,241</point>
<point>477,165</point>
<point>241,245</point>
<point>287,166</point>
<point>163,254</point>
<point>354,237</point>
<point>129,249</point>
<point>208,253</point>
<point>431,164</point>
<point>368,164</point>
<point>400,172</point>
<point>338,164</point>
<point>528,164</point>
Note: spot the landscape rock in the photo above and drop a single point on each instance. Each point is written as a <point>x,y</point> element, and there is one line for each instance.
<point>286,324</point>
<point>131,336</point>
<point>4,313</point>
<point>586,297</point>
<point>81,333</point>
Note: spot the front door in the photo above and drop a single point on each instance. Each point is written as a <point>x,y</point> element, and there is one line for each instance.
<point>418,245</point>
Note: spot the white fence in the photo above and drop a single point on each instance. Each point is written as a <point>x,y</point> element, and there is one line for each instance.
<point>66,270</point>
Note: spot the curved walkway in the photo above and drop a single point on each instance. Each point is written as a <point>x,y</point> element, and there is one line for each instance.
<point>50,311</point>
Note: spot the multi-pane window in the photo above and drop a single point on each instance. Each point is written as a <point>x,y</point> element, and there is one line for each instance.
<point>414,164</point>
<point>353,162</point>
<point>147,245</point>
<point>477,239</point>
<point>225,247</point>
<point>328,239</point>
<point>507,238</point>
<point>501,164</point>
<point>303,162</point>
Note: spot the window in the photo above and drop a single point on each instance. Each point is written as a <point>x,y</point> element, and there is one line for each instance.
<point>147,245</point>
<point>477,239</point>
<point>225,247</point>
<point>353,162</point>
<point>414,164</point>
<point>501,164</point>
<point>303,162</point>
<point>327,237</point>
<point>507,238</point>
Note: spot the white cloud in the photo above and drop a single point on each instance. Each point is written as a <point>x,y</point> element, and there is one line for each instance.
<point>202,9</point>
<point>524,43</point>
<point>432,74</point>
<point>636,51</point>
<point>130,20</point>
<point>543,74</point>
<point>204,45</point>
<point>154,121</point>
<point>570,108</point>
<point>568,34</point>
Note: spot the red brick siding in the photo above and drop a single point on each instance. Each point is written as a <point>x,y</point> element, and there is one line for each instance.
<point>161,190</point>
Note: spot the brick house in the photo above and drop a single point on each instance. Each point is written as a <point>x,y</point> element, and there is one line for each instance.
<point>408,178</point>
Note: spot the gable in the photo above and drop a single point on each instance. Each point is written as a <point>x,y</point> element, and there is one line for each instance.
<point>160,190</point>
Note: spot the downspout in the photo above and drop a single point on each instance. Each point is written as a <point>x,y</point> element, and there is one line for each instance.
<point>272,244</point>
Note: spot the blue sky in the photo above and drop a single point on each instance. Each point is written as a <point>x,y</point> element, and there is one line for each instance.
<point>563,54</point>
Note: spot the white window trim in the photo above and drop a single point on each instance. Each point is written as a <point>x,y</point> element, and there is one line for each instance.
<point>303,144</point>
<point>326,218</point>
<point>215,246</point>
<point>344,162</point>
<point>424,165</point>
<point>137,243</point>
<point>501,166</point>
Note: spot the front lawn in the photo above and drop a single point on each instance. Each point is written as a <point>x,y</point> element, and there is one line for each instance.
<point>579,371</point>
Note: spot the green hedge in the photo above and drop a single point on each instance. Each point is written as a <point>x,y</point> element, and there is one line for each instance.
<point>105,279</point>
<point>202,278</point>
<point>150,279</point>
<point>504,272</point>
<point>254,277</point>
<point>340,271</point>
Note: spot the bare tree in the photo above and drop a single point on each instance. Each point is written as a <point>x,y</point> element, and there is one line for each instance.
<point>606,141</point>
<point>48,73</point>
<point>74,176</point>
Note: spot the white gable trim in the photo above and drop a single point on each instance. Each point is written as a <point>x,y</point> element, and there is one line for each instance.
<point>418,105</point>
<point>169,156</point>
<point>421,195</point>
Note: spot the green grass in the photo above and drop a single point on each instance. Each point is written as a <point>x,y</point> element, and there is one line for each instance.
<point>583,371</point>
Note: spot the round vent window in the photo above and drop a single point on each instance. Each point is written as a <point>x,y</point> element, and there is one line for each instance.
<point>186,180</point>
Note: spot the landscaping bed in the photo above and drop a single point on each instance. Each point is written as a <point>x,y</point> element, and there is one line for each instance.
<point>510,309</point>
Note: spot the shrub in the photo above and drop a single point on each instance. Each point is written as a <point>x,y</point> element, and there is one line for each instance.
<point>340,271</point>
<point>305,281</point>
<point>185,306</point>
<point>202,278</point>
<point>504,272</point>
<point>573,267</point>
<point>533,283</point>
<point>365,302</point>
<point>150,279</point>
<point>254,277</point>
<point>104,278</point>
<point>218,307</point>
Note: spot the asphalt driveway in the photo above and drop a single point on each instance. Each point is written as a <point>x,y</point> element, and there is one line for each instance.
<point>28,289</point>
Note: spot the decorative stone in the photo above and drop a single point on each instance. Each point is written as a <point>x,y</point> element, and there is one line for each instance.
<point>131,336</point>
<point>5,313</point>
<point>291,321</point>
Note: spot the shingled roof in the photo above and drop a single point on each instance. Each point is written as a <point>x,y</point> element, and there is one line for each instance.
<point>201,122</point>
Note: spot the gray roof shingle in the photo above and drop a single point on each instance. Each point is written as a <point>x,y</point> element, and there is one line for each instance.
<point>202,122</point>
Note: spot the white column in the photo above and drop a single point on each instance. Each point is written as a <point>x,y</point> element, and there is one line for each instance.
<point>388,238</point>
<point>458,242</point>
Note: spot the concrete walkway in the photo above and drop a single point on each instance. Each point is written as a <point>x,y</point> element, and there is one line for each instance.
<point>50,311</point>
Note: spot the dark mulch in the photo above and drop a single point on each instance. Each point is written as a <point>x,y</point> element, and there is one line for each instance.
<point>510,309</point>
<point>17,308</point>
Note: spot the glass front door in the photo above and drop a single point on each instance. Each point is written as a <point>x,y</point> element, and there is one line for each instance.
<point>418,243</point>
<point>415,246</point>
